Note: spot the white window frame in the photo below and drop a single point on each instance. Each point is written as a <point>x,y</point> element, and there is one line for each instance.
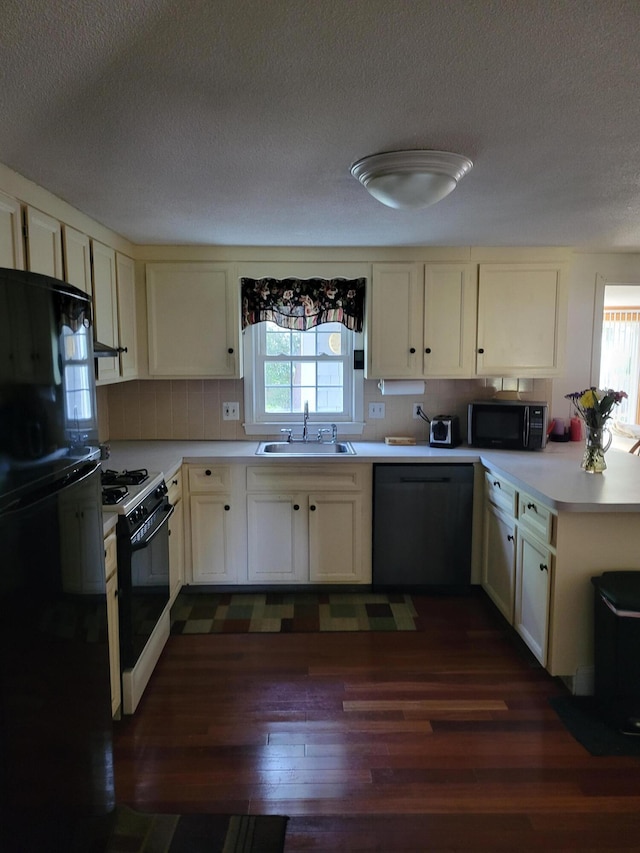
<point>258,422</point>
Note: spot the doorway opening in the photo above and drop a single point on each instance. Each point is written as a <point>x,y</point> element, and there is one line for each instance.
<point>620,347</point>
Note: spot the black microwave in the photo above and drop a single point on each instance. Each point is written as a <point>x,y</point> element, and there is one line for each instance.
<point>508,425</point>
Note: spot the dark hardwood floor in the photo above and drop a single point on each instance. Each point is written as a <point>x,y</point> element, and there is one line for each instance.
<point>440,740</point>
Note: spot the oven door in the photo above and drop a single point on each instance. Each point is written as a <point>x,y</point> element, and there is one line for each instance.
<point>143,582</point>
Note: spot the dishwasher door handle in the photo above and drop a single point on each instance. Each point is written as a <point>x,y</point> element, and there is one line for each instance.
<point>425,479</point>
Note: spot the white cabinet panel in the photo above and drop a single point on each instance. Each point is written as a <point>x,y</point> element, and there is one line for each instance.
<point>531,620</point>
<point>105,303</point>
<point>335,538</point>
<point>449,320</point>
<point>44,244</point>
<point>77,258</point>
<point>193,315</point>
<point>521,320</point>
<point>11,243</point>
<point>277,538</point>
<point>394,321</point>
<point>212,559</point>
<point>498,560</point>
<point>127,330</point>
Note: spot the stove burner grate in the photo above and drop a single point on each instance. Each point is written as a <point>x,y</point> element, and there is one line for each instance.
<point>125,478</point>
<point>113,494</point>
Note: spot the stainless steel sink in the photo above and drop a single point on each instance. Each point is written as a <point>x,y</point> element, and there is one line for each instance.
<point>304,448</point>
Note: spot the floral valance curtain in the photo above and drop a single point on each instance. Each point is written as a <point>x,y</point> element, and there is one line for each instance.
<point>301,304</point>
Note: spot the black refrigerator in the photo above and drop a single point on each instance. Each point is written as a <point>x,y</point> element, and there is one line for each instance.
<point>56,774</point>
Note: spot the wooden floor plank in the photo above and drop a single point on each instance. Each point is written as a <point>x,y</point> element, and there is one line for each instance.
<point>437,740</point>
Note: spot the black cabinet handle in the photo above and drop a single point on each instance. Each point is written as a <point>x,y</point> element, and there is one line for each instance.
<point>481,350</point>
<point>428,350</point>
<point>509,538</point>
<point>208,472</point>
<point>230,350</point>
<point>174,482</point>
<point>227,507</point>
<point>412,349</point>
<point>544,567</point>
<point>497,483</point>
<point>296,507</point>
<point>312,508</point>
<point>533,507</point>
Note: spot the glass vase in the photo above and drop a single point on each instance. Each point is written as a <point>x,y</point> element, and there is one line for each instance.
<point>593,461</point>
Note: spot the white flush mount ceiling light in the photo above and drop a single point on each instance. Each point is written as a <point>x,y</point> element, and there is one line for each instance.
<point>411,179</point>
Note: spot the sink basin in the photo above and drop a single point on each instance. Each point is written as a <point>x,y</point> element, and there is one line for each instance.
<point>304,448</point>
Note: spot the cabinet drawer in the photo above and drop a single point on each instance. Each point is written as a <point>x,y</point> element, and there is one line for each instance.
<point>209,478</point>
<point>174,484</point>
<point>110,554</point>
<point>287,478</point>
<point>500,492</point>
<point>535,517</point>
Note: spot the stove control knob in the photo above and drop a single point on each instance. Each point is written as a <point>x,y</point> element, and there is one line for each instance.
<point>161,490</point>
<point>144,511</point>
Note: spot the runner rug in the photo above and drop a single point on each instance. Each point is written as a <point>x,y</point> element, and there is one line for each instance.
<point>137,832</point>
<point>215,613</point>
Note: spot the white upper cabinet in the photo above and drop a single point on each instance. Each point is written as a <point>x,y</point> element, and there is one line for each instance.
<point>127,331</point>
<point>44,243</point>
<point>11,243</point>
<point>105,303</point>
<point>421,321</point>
<point>77,258</point>
<point>449,320</point>
<point>193,315</point>
<point>394,321</point>
<point>521,319</point>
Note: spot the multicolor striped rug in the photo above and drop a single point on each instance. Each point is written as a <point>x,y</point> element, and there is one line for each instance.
<point>214,613</point>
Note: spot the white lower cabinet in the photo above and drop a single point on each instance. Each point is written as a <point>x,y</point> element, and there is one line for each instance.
<point>176,536</point>
<point>212,524</point>
<point>498,560</point>
<point>531,617</point>
<point>518,560</point>
<point>113,621</point>
<point>308,524</point>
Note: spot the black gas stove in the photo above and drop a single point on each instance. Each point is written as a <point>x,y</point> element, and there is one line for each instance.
<point>124,478</point>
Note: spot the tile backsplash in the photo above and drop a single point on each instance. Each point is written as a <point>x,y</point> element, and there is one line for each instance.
<point>191,409</point>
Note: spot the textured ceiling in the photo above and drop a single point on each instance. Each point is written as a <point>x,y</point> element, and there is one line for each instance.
<point>235,122</point>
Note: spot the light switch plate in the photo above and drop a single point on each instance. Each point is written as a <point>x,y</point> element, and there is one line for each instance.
<point>231,411</point>
<point>376,410</point>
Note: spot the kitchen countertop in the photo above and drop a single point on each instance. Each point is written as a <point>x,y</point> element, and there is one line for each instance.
<point>553,475</point>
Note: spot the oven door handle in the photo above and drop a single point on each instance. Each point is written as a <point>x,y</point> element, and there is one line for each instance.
<point>139,546</point>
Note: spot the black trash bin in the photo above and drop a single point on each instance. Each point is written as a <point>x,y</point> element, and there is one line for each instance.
<point>617,648</point>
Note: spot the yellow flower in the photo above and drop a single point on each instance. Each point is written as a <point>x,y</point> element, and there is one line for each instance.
<point>588,399</point>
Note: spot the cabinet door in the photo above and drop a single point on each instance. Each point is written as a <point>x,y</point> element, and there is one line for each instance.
<point>176,550</point>
<point>335,538</point>
<point>44,244</point>
<point>211,539</point>
<point>534,565</point>
<point>498,560</point>
<point>277,538</point>
<point>113,634</point>
<point>127,332</point>
<point>77,258</point>
<point>105,303</point>
<point>394,322</point>
<point>449,320</point>
<point>521,320</point>
<point>193,320</point>
<point>11,243</point>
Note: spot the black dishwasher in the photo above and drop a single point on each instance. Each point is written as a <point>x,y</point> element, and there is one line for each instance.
<point>422,518</point>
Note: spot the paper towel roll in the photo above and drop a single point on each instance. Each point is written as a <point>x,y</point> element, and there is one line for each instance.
<point>401,386</point>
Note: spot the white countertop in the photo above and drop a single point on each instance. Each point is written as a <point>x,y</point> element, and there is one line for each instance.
<point>552,475</point>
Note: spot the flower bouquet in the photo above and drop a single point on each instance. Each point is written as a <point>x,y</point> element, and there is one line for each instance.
<point>594,407</point>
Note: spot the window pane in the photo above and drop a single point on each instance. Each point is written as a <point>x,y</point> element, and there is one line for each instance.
<point>330,400</point>
<point>329,343</point>
<point>277,373</point>
<point>278,343</point>
<point>277,400</point>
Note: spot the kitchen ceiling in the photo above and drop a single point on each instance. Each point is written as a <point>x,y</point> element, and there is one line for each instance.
<point>235,122</point>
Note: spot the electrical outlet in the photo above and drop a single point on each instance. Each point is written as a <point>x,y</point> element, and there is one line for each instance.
<point>417,408</point>
<point>231,411</point>
<point>376,410</point>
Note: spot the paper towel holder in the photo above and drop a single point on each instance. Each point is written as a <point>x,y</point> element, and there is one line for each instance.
<point>409,387</point>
